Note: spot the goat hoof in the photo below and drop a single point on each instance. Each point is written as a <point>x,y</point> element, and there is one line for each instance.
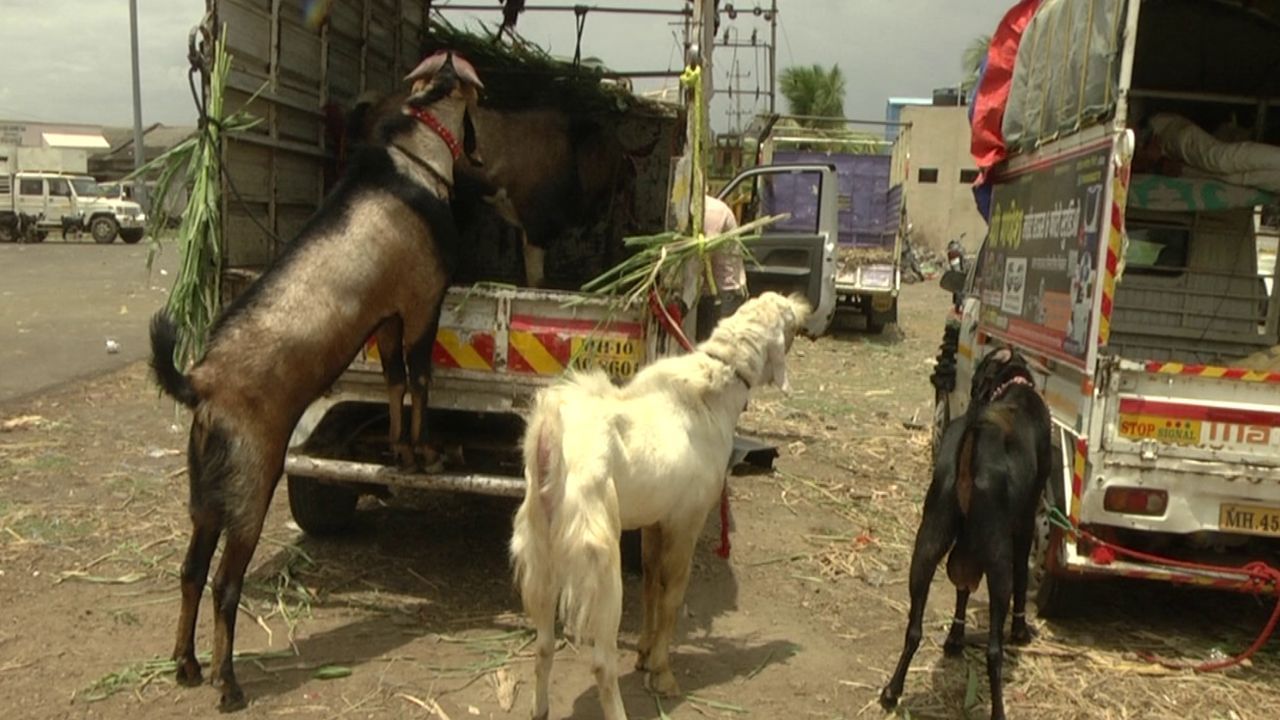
<point>888,700</point>
<point>188,673</point>
<point>664,683</point>
<point>403,455</point>
<point>432,461</point>
<point>1021,635</point>
<point>232,699</point>
<point>953,648</point>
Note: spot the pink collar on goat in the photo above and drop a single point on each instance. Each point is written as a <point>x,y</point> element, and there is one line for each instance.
<point>431,121</point>
<point>1015,380</point>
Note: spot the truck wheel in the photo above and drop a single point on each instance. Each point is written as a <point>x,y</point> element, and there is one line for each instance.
<point>321,508</point>
<point>1053,594</point>
<point>941,418</point>
<point>8,233</point>
<point>132,236</point>
<point>104,230</point>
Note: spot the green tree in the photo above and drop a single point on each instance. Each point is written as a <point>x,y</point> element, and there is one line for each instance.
<point>971,61</point>
<point>814,90</point>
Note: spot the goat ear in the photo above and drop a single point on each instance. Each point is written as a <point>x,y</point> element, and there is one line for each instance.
<point>775,362</point>
<point>469,130</point>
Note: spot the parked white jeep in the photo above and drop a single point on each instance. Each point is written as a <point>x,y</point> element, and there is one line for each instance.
<point>60,202</point>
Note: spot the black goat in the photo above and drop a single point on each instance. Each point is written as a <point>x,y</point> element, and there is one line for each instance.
<point>990,471</point>
<point>378,253</point>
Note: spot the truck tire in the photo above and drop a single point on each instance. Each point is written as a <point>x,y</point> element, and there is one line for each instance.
<point>8,233</point>
<point>321,508</point>
<point>132,236</point>
<point>104,229</point>
<point>875,326</point>
<point>1054,595</point>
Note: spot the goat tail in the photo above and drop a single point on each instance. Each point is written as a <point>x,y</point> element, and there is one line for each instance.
<point>164,341</point>
<point>531,554</point>
<point>564,549</point>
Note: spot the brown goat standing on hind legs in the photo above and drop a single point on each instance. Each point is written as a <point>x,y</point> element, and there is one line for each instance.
<point>378,252</point>
<point>990,471</point>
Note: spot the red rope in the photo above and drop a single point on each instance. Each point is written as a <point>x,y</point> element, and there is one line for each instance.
<point>672,326</point>
<point>1259,575</point>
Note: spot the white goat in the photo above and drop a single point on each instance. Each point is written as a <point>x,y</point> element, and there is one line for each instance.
<point>654,454</point>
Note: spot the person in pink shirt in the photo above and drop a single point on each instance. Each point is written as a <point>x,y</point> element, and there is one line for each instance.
<point>727,271</point>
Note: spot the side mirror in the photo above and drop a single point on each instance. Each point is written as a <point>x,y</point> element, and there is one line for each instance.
<point>952,281</point>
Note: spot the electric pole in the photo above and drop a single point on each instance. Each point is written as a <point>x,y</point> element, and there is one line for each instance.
<point>139,154</point>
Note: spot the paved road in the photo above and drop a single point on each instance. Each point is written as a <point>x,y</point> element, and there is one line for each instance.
<point>61,302</point>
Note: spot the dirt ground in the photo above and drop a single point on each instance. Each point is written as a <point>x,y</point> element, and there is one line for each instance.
<point>415,615</point>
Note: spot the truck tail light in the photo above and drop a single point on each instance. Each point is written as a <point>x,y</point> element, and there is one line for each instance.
<point>1135,501</point>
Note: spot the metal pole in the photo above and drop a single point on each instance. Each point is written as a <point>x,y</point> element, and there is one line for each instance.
<point>139,153</point>
<point>572,8</point>
<point>773,55</point>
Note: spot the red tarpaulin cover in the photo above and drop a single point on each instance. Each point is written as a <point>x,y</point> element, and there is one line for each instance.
<point>987,144</point>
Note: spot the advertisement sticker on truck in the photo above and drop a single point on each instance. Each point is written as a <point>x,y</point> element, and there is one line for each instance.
<point>1039,267</point>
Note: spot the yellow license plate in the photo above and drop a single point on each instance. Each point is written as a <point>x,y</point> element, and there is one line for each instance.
<point>618,355</point>
<point>1251,519</point>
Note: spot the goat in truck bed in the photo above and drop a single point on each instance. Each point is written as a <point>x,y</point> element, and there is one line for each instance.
<point>378,253</point>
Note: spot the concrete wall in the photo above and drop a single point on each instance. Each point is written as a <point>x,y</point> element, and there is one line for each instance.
<point>938,139</point>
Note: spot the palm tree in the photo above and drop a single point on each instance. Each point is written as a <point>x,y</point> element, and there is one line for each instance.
<point>814,90</point>
<point>971,61</point>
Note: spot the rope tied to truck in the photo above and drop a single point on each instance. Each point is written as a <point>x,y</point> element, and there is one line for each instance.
<point>671,324</point>
<point>1257,577</point>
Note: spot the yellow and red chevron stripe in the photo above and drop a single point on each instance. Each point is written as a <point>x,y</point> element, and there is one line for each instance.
<point>1115,240</point>
<point>470,351</point>
<point>453,349</point>
<point>1078,467</point>
<point>1213,371</point>
<point>546,346</point>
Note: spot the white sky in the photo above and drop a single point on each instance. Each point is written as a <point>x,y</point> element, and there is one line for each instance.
<point>68,60</point>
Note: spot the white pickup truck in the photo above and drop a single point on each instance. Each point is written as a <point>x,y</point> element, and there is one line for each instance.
<point>497,343</point>
<point>56,201</point>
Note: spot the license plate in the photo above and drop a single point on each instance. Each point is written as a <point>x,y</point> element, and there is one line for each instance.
<point>1251,519</point>
<point>618,355</point>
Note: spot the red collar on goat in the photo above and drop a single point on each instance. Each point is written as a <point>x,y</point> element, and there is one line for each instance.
<point>431,121</point>
<point>1015,380</point>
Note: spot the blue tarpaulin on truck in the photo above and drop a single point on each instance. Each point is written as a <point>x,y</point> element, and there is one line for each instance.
<point>863,195</point>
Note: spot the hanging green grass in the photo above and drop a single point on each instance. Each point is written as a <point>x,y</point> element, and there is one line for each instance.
<point>661,258</point>
<point>194,299</point>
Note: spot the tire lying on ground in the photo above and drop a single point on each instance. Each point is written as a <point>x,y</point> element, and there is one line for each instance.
<point>321,508</point>
<point>132,235</point>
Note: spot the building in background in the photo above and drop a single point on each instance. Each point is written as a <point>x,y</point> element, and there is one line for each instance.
<point>49,147</point>
<point>932,165</point>
<point>893,113</point>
